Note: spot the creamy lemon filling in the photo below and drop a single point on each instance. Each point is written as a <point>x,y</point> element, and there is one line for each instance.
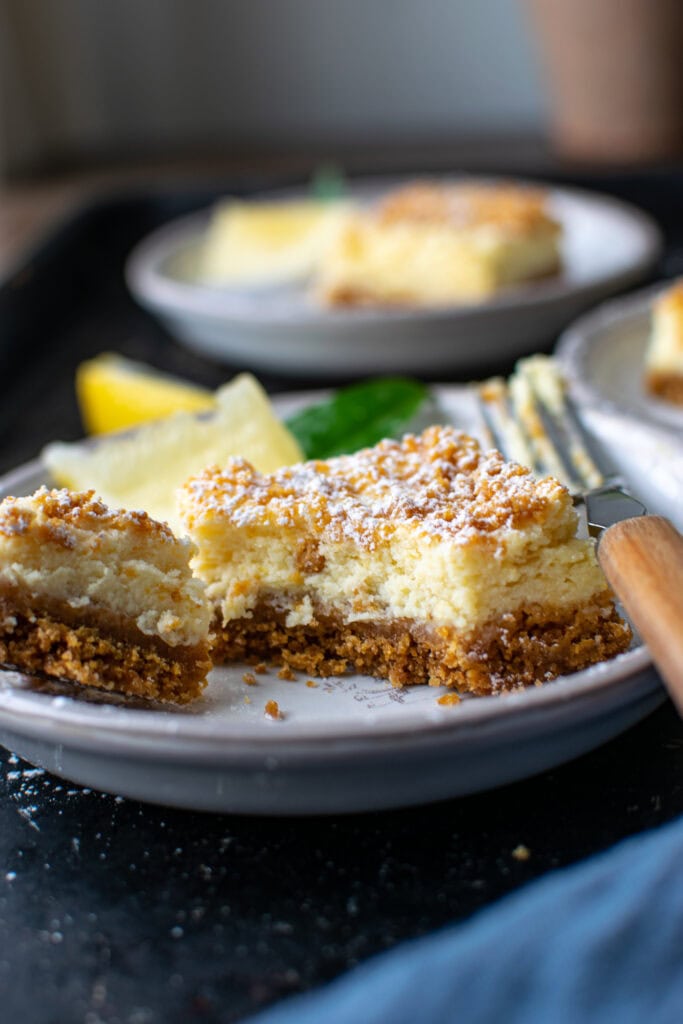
<point>409,577</point>
<point>70,549</point>
<point>430,529</point>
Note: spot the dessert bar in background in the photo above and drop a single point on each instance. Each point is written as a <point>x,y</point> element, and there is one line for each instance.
<point>431,244</point>
<point>664,354</point>
<point>257,243</point>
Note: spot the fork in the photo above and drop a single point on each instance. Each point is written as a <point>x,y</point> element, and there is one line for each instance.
<point>531,419</point>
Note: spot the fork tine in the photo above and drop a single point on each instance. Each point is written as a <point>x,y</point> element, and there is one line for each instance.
<point>503,427</point>
<point>571,440</point>
<point>531,420</point>
<point>530,415</point>
<point>581,447</point>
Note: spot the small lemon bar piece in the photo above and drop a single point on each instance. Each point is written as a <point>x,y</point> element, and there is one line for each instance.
<point>100,597</point>
<point>425,560</point>
<point>260,243</point>
<point>664,353</point>
<point>431,244</point>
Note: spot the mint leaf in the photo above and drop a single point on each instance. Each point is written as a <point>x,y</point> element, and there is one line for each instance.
<point>328,183</point>
<point>358,416</point>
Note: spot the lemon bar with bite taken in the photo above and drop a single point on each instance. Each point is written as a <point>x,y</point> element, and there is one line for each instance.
<point>425,560</point>
<point>433,243</point>
<point>100,597</point>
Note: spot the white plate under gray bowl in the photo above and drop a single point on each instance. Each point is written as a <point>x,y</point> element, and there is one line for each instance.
<point>608,245</point>
<point>346,744</point>
<point>603,354</point>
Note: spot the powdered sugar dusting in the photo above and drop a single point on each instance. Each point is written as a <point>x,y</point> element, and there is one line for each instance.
<point>441,483</point>
<point>508,208</point>
<point>58,512</point>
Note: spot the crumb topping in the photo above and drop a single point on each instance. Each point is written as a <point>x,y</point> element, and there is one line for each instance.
<point>511,207</point>
<point>272,710</point>
<point>449,700</point>
<point>55,513</point>
<point>521,852</point>
<point>440,483</point>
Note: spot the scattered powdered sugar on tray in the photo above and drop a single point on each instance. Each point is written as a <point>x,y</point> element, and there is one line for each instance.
<point>25,786</point>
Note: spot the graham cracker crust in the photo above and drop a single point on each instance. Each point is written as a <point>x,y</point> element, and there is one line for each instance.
<point>41,644</point>
<point>524,649</point>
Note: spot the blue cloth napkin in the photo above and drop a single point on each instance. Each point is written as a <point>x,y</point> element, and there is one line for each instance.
<point>601,941</point>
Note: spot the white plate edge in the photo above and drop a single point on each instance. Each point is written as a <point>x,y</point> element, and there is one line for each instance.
<point>172,297</point>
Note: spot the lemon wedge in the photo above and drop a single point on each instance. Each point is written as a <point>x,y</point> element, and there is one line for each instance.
<point>144,468</point>
<point>115,393</point>
<point>268,243</point>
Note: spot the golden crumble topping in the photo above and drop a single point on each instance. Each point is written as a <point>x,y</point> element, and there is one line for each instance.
<point>272,710</point>
<point>517,209</point>
<point>448,700</point>
<point>55,512</point>
<point>441,483</point>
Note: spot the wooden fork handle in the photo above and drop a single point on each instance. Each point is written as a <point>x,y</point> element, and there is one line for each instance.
<point>643,560</point>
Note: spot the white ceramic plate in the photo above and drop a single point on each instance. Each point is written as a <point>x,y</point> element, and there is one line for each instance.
<point>348,744</point>
<point>608,245</point>
<point>603,354</point>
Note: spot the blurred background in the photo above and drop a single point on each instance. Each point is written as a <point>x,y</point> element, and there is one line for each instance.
<point>165,105</point>
<point>90,87</point>
<point>86,80</point>
<point>92,80</point>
